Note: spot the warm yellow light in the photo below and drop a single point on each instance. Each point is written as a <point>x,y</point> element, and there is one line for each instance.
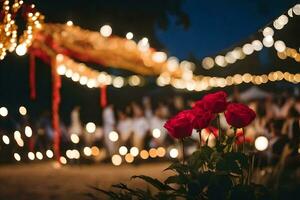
<point>61,69</point>
<point>116,160</point>
<point>229,58</point>
<point>173,153</point>
<point>161,152</point>
<point>49,153</point>
<point>280,46</point>
<point>153,153</point>
<point>5,139</point>
<point>90,127</point>
<point>159,57</point>
<point>268,41</point>
<point>106,31</point>
<point>143,44</point>
<point>87,151</point>
<point>248,49</point>
<point>113,136</point>
<point>257,45</point>
<point>144,154</point>
<point>156,133</point>
<point>208,63</point>
<point>123,150</point>
<point>17,157</point>
<point>74,138</point>
<point>28,131</point>
<point>220,60</point>
<point>118,82</point>
<point>21,50</point>
<point>3,111</point>
<point>134,80</point>
<point>129,158</point>
<point>22,110</point>
<point>39,155</point>
<point>63,160</point>
<point>268,32</point>
<point>172,64</point>
<point>69,23</point>
<point>129,36</point>
<point>261,143</point>
<point>296,9</point>
<point>31,156</point>
<point>95,151</point>
<point>134,151</point>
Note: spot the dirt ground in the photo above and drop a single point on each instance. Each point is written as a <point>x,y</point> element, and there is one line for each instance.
<point>44,181</point>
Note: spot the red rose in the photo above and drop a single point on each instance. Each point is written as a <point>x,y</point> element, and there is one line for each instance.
<point>216,102</point>
<point>203,117</point>
<point>181,125</point>
<point>213,130</point>
<point>239,115</point>
<point>240,139</point>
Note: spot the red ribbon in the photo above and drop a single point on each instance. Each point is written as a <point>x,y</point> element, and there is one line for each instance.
<point>103,96</point>
<point>32,85</point>
<point>56,84</point>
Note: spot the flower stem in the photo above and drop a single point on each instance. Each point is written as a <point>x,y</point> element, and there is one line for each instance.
<point>200,138</point>
<point>183,151</point>
<point>244,138</point>
<point>219,128</point>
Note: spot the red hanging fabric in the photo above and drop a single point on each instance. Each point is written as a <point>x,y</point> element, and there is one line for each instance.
<point>103,96</point>
<point>56,84</point>
<point>32,86</point>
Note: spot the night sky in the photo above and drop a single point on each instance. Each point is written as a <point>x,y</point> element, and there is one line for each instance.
<point>190,29</point>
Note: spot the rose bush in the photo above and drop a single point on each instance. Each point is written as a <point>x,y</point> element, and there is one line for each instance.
<point>218,172</point>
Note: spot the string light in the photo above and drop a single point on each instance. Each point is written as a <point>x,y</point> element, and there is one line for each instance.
<point>5,139</point>
<point>173,153</point>
<point>90,127</point>
<point>28,131</point>
<point>113,136</point>
<point>129,36</point>
<point>134,151</point>
<point>156,133</point>
<point>63,160</point>
<point>123,150</point>
<point>74,138</point>
<point>69,23</point>
<point>79,72</point>
<point>144,154</point>
<point>116,160</point>
<point>87,151</point>
<point>261,143</point>
<point>129,158</point>
<point>31,155</point>
<point>153,153</point>
<point>17,157</point>
<point>3,111</point>
<point>106,31</point>
<point>39,155</point>
<point>49,153</point>
<point>22,110</point>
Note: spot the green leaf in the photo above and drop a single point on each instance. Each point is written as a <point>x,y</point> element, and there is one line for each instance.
<point>178,167</point>
<point>154,182</point>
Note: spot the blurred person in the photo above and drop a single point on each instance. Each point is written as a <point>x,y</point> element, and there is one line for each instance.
<point>157,122</point>
<point>124,126</point>
<point>292,129</point>
<point>140,126</point>
<point>76,126</point>
<point>277,141</point>
<point>109,123</point>
<point>147,107</point>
